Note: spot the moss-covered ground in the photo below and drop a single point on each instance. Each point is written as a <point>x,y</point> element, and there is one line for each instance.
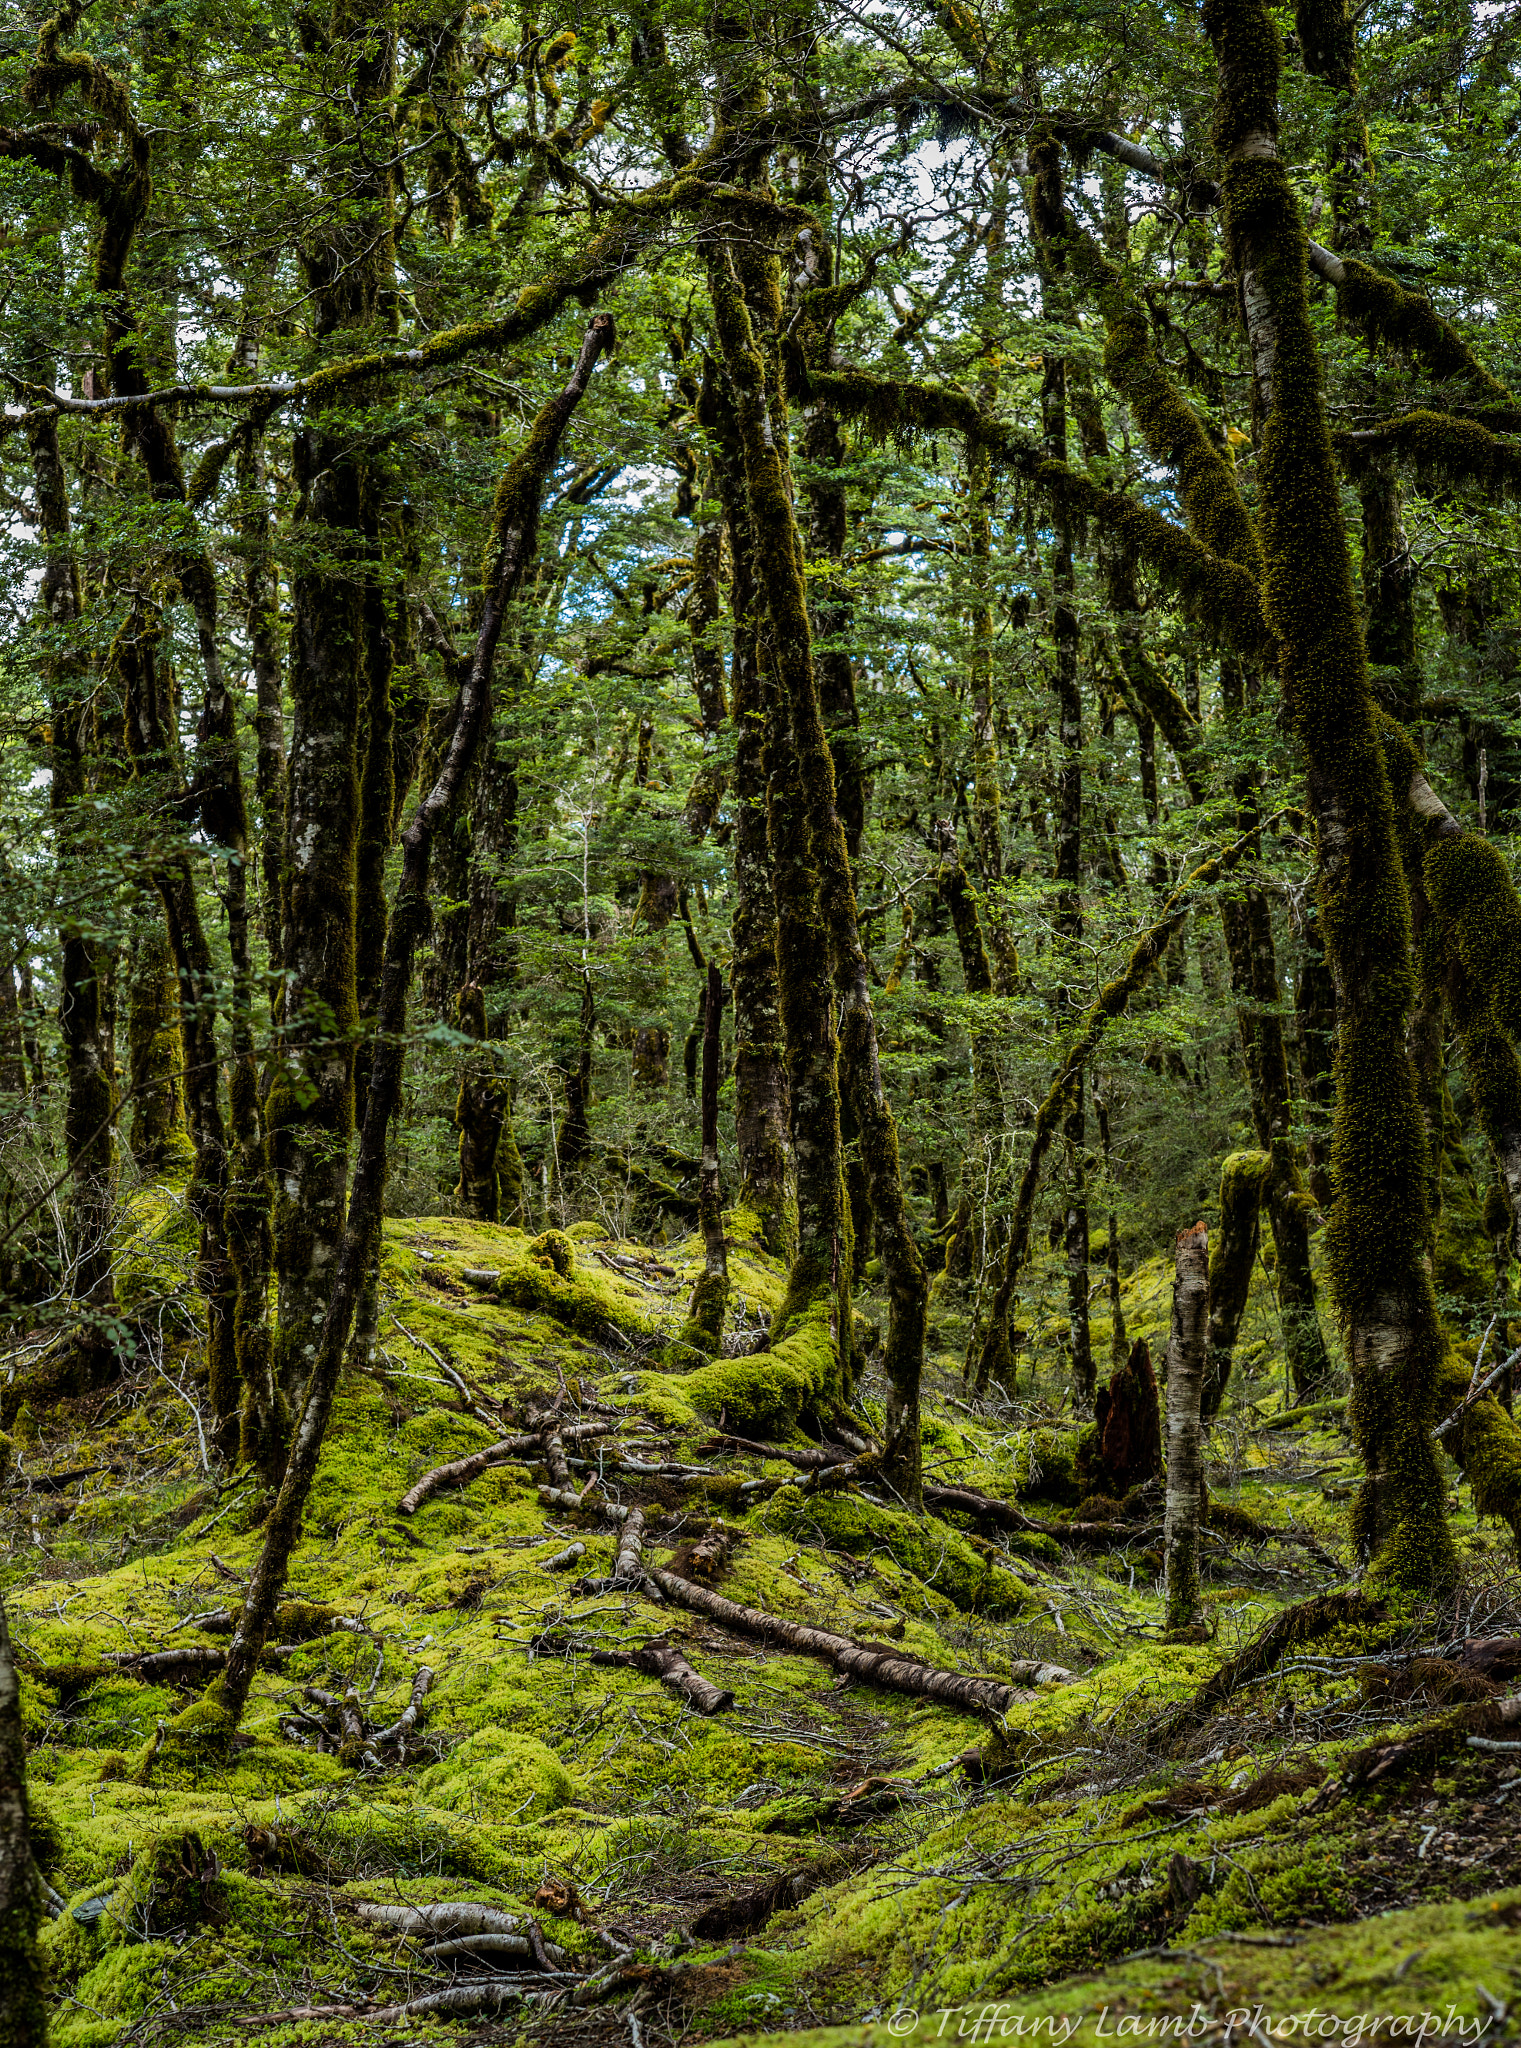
<point>814,1857</point>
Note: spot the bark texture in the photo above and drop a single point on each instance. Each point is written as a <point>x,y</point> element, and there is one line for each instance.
<point>1187,1353</point>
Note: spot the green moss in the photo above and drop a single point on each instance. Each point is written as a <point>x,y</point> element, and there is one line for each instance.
<point>1232,1258</point>
<point>1376,1236</point>
<point>1387,312</point>
<point>930,1551</point>
<point>1045,1469</point>
<point>498,1776</point>
<point>764,1394</point>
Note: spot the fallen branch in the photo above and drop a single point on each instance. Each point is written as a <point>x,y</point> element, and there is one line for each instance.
<point>340,1729</point>
<point>628,1574</point>
<point>561,1497</point>
<point>510,1450</point>
<point>447,1920</point>
<point>1476,1394</point>
<point>806,1458</point>
<point>1003,1514</point>
<point>564,1559</point>
<point>661,1659</point>
<point>887,1668</point>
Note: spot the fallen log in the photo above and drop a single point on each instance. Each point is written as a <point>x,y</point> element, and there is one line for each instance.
<point>1226,1521</point>
<point>627,1565</point>
<point>561,1497</point>
<point>806,1458</point>
<point>447,1920</point>
<point>661,1659</point>
<point>564,1559</point>
<point>890,1669</point>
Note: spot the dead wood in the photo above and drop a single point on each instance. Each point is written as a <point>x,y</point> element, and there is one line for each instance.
<point>805,1457</point>
<point>563,1498</point>
<point>341,1728</point>
<point>510,1450</point>
<point>661,1659</point>
<point>890,1669</point>
<point>1300,1624</point>
<point>449,1919</point>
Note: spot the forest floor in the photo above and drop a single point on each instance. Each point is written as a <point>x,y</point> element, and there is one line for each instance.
<point>821,1857</point>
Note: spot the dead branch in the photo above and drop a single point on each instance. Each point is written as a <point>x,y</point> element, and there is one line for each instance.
<point>510,1450</point>
<point>661,1659</point>
<point>891,1669</point>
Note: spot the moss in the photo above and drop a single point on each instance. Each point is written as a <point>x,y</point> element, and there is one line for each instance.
<point>498,1776</point>
<point>555,1250</point>
<point>1386,312</point>
<point>1472,891</point>
<point>156,1055</point>
<point>197,1737</point>
<point>1045,1468</point>
<point>1487,1445</point>
<point>175,1884</point>
<point>765,1393</point>
<point>1376,1235</point>
<point>932,1552</point>
<point>1232,1256</point>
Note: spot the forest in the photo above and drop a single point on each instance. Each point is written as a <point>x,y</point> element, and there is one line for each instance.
<point>760,807</point>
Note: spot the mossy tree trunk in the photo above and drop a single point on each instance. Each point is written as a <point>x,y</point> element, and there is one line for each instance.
<point>155,1049</point>
<point>337,656</point>
<point>710,1297</point>
<point>977,1233</point>
<point>762,1116</point>
<point>514,538</point>
<point>821,871</point>
<point>23,1975</point>
<point>479,1111</point>
<point>148,721</point>
<point>1187,1352</point>
<point>1232,1255</point>
<point>90,1093</point>
<point>1248,926</point>
<point>1377,1231</point>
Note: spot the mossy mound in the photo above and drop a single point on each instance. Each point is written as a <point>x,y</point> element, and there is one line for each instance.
<point>765,1393</point>
<point>495,1775</point>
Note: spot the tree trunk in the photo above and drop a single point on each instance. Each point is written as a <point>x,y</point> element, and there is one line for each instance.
<point>90,1098</point>
<point>780,557</point>
<point>1248,927</point>
<point>155,1049</point>
<point>705,1313</point>
<point>514,538</point>
<point>1377,1231</point>
<point>762,1115</point>
<point>1232,1256</point>
<point>23,1975</point>
<point>1187,1348</point>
